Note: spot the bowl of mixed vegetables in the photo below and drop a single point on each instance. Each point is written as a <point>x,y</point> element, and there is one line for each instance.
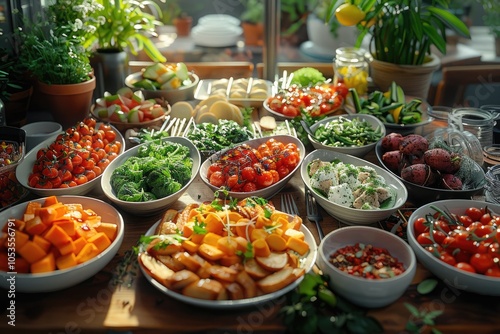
<point>171,82</point>
<point>149,177</point>
<point>351,189</point>
<point>350,134</point>
<point>398,112</point>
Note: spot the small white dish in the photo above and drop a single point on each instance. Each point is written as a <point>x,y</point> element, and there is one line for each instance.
<point>40,131</point>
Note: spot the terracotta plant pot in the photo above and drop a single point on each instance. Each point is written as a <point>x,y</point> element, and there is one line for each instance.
<point>68,104</point>
<point>253,33</point>
<point>183,25</point>
<point>16,107</point>
<point>414,79</point>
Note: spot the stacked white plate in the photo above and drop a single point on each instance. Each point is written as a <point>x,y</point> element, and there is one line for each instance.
<point>217,30</point>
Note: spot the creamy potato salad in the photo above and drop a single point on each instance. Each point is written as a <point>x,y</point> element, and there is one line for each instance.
<point>352,186</point>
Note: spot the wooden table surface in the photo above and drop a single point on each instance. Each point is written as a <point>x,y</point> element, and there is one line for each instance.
<point>109,301</point>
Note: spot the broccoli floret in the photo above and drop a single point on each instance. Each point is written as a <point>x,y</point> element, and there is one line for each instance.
<point>130,192</point>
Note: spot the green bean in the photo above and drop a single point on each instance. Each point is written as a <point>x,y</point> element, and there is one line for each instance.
<point>345,132</point>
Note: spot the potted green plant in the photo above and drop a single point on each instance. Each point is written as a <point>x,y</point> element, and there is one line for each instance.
<point>121,26</point>
<point>401,34</point>
<point>252,21</point>
<point>62,70</point>
<point>15,92</point>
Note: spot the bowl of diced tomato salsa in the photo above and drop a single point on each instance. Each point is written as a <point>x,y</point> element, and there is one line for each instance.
<point>368,266</point>
<point>319,100</point>
<point>258,167</point>
<point>71,163</point>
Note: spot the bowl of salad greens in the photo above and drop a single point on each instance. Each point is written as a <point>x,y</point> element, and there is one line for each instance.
<point>149,177</point>
<point>350,134</point>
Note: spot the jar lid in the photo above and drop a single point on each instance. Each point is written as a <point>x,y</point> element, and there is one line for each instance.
<point>463,142</point>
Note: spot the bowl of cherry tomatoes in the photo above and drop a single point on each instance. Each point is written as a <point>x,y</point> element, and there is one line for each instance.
<point>71,163</point>
<point>319,100</point>
<point>464,249</point>
<point>259,167</point>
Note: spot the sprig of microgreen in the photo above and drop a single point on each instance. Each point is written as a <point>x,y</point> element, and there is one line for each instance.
<point>421,319</point>
<point>314,308</point>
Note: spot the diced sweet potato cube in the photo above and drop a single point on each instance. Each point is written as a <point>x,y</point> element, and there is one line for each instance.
<point>101,240</point>
<point>57,236</point>
<point>67,248</point>
<point>258,233</point>
<point>20,237</point>
<point>107,228</point>
<point>214,223</point>
<point>42,242</point>
<point>35,226</point>
<point>197,238</point>
<point>228,245</point>
<point>298,245</point>
<point>88,252</point>
<point>31,252</point>
<point>244,231</point>
<point>66,261</point>
<point>46,264</point>
<point>22,266</point>
<point>79,243</point>
<point>16,224</point>
<point>84,230</point>
<point>261,248</point>
<point>52,212</point>
<point>276,242</point>
<point>190,246</point>
<point>211,239</point>
<point>209,252</point>
<point>229,260</point>
<point>50,200</point>
<point>31,207</point>
<point>67,225</point>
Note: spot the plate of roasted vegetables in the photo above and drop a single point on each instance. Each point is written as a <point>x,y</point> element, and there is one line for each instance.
<point>399,112</point>
<point>225,254</point>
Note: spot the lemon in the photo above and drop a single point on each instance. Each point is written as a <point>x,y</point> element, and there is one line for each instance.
<point>348,14</point>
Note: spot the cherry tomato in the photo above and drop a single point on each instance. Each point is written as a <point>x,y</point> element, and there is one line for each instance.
<point>420,225</point>
<point>481,262</point>
<point>465,266</point>
<point>474,213</point>
<point>493,271</point>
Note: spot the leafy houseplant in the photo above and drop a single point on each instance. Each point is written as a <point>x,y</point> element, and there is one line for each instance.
<point>403,31</point>
<point>401,35</point>
<point>123,24</point>
<point>253,21</point>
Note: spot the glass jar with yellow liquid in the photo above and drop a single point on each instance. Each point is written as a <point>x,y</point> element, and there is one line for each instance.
<point>351,67</point>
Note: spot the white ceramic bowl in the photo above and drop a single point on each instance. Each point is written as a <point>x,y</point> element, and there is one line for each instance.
<point>347,215</point>
<point>15,137</point>
<point>124,126</point>
<point>357,151</point>
<point>404,129</point>
<point>184,93</point>
<point>254,143</point>
<point>24,170</point>
<point>370,293</point>
<point>452,276</point>
<point>155,206</point>
<point>38,132</point>
<point>308,263</point>
<point>62,279</point>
